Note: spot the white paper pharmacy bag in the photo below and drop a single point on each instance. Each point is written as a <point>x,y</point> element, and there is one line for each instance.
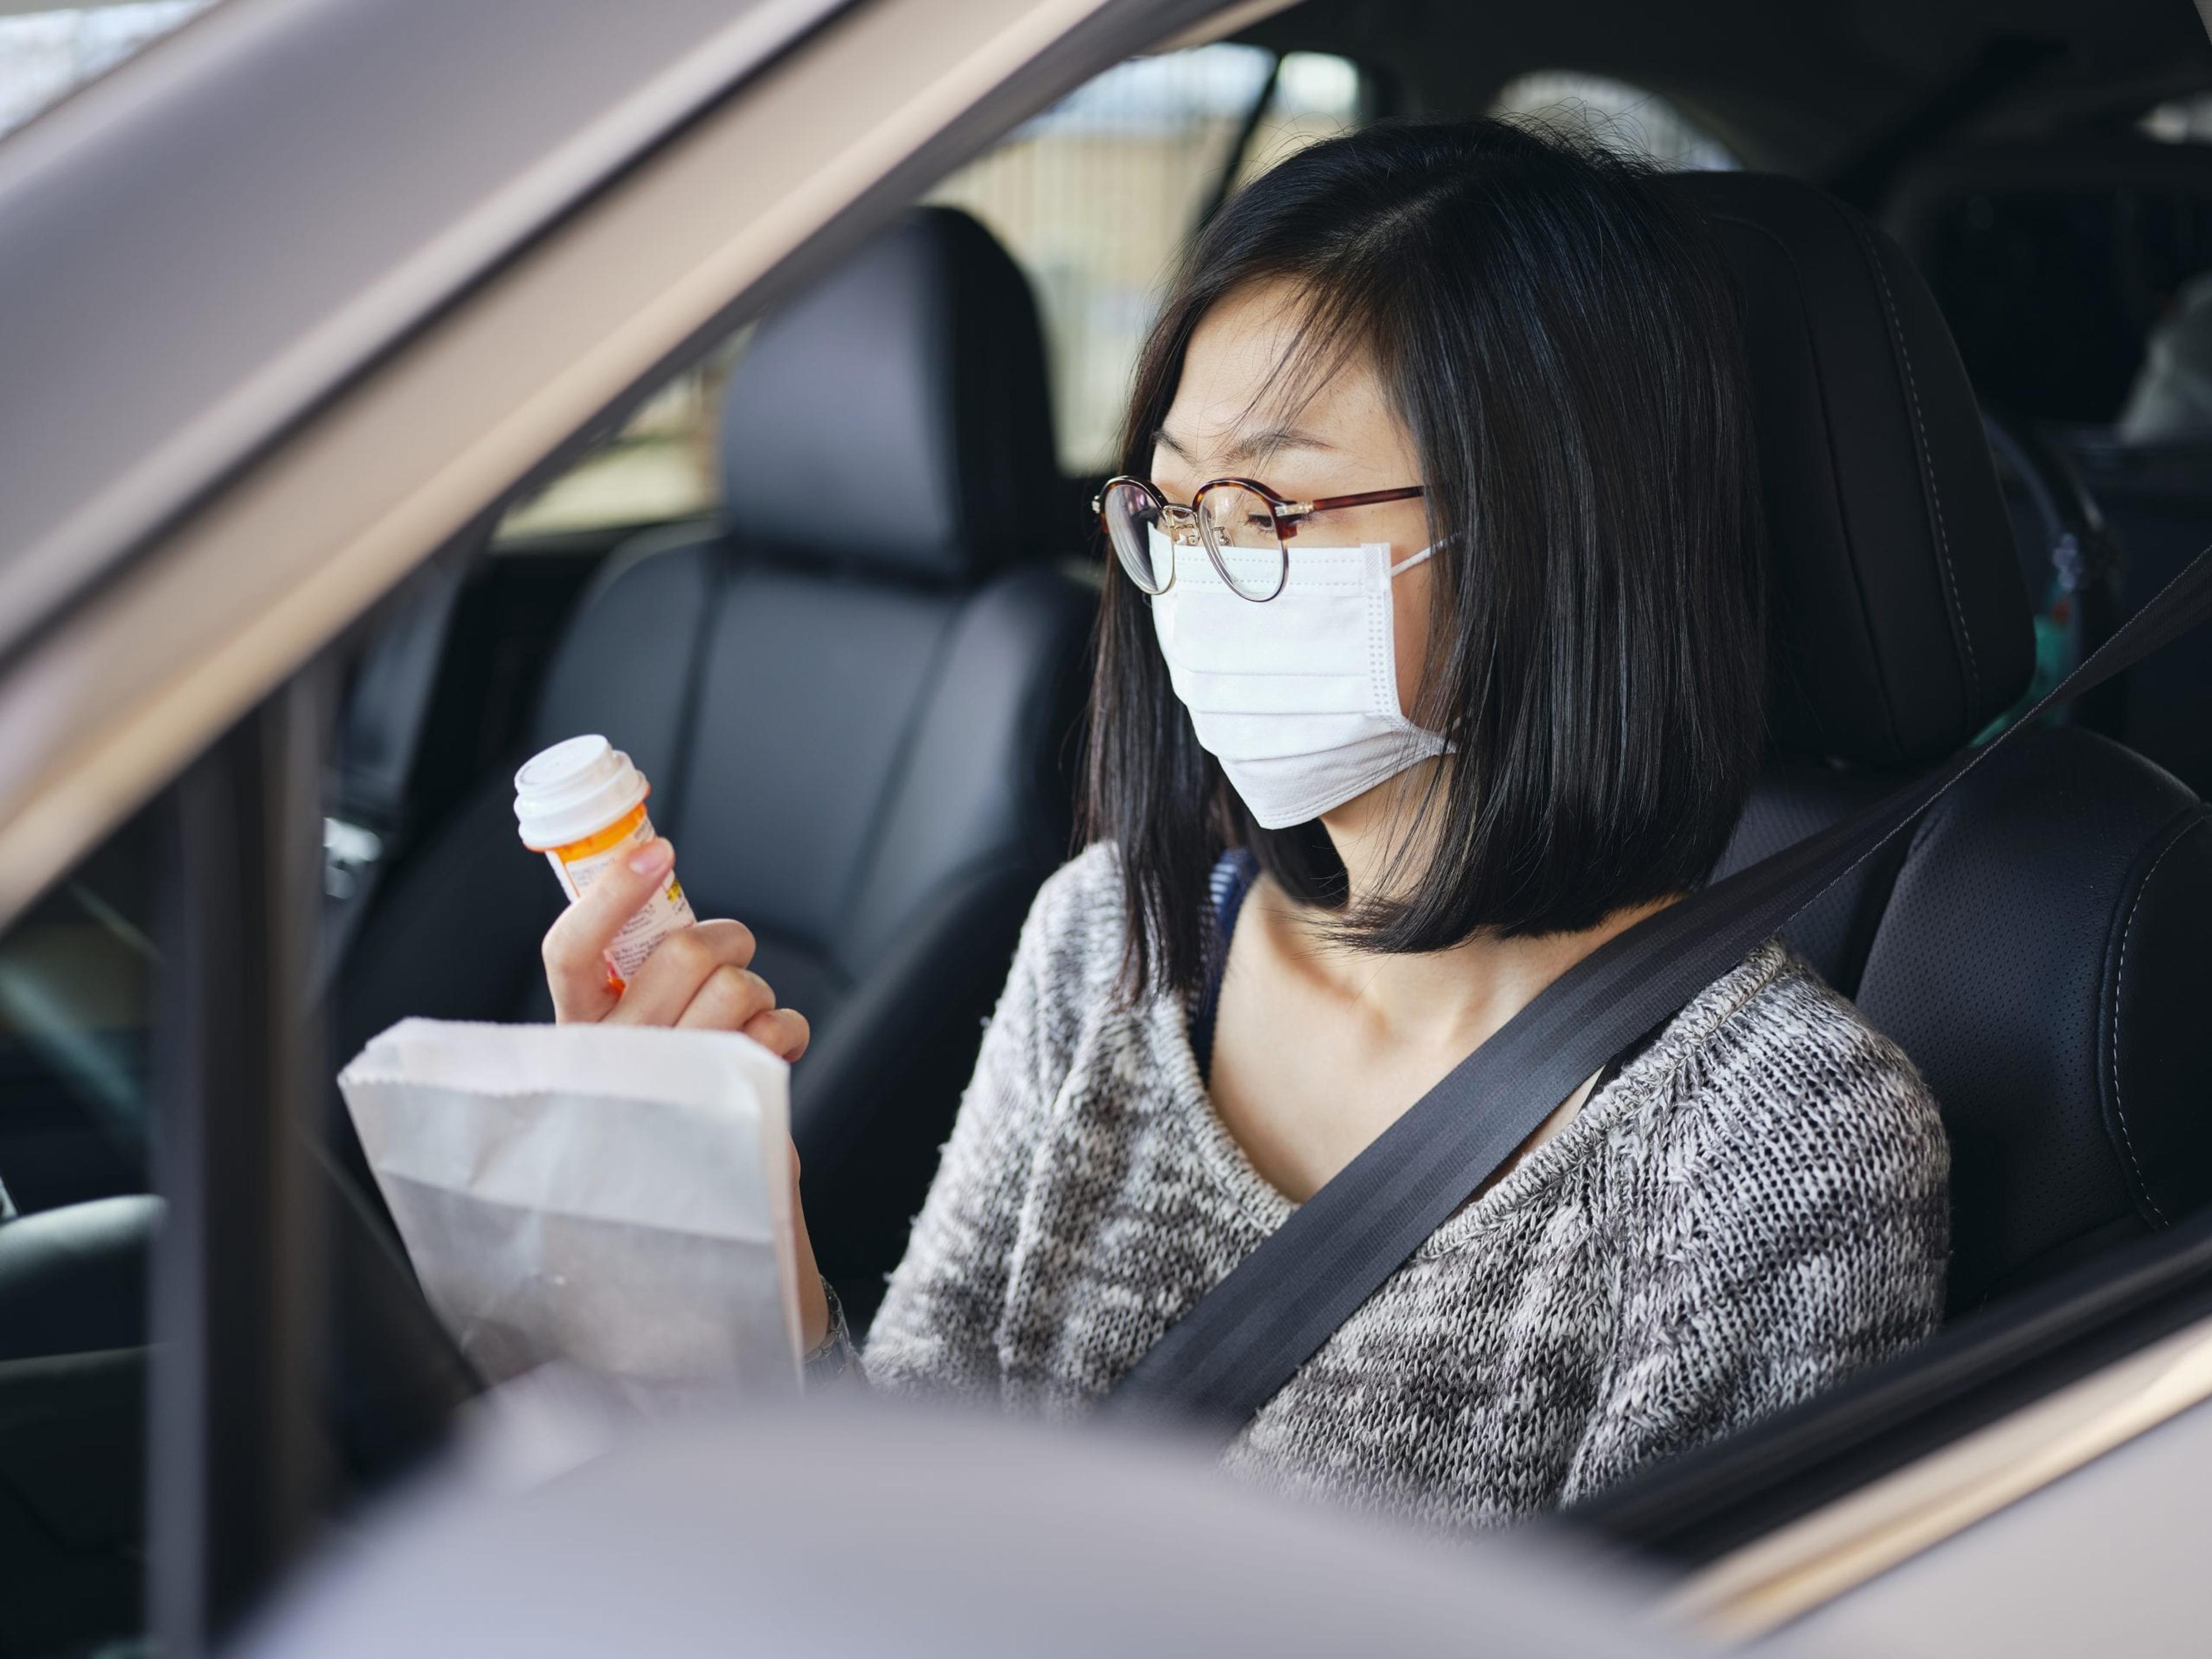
<point>612,1197</point>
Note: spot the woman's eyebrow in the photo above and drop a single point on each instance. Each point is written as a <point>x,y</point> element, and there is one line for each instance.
<point>1259,445</point>
<point>1249,447</point>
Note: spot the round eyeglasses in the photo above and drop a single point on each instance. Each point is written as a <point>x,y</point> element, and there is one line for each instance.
<point>1245,528</point>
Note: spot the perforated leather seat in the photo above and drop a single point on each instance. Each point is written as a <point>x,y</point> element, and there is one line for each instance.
<point>856,696</point>
<point>2037,944</point>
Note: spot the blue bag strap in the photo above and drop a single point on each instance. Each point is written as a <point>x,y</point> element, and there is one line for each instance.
<point>1232,877</point>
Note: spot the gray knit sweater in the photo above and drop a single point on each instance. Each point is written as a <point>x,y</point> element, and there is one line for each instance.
<point>1752,1209</point>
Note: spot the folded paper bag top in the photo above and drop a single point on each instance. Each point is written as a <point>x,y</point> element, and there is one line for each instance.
<point>611,1197</point>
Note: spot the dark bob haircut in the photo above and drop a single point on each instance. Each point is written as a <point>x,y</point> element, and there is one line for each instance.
<point>1556,330</point>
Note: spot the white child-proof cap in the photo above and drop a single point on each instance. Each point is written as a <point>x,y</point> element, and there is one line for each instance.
<point>576,788</point>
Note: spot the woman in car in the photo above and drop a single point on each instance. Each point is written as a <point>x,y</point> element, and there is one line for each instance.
<point>1432,655</point>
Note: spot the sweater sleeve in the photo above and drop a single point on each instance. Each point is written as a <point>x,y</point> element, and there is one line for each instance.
<point>1791,1224</point>
<point>937,1331</point>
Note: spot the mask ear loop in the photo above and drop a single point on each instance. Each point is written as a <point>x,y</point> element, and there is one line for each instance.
<point>1405,564</point>
<point>1413,559</point>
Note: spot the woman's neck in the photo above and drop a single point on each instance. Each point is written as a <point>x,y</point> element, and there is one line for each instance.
<point>1454,998</point>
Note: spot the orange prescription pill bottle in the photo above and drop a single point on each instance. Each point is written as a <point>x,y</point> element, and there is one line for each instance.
<point>582,803</point>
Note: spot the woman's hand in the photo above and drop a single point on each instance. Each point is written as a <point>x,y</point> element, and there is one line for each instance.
<point>698,977</point>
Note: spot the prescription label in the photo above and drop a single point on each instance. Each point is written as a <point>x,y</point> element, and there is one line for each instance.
<point>581,863</point>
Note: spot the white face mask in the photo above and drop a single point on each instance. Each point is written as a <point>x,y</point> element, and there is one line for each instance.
<point>1297,698</point>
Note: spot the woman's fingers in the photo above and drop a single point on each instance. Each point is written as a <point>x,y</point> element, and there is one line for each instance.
<point>783,1031</point>
<point>681,968</point>
<point>576,948</point>
<point>697,977</point>
<point>726,1000</point>
<point>729,997</point>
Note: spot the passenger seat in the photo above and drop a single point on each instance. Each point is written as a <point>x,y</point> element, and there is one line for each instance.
<point>857,697</point>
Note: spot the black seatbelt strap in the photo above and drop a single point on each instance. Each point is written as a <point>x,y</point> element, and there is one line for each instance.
<point>1248,1335</point>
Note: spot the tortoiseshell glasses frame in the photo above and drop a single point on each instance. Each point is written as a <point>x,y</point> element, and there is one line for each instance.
<point>1235,520</point>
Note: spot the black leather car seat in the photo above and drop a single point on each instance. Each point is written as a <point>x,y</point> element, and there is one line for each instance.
<point>2037,944</point>
<point>856,696</point>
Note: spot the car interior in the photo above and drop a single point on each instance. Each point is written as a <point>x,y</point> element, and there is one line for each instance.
<point>853,660</point>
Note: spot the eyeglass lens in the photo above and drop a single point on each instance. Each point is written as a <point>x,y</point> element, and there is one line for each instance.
<point>1240,532</point>
<point>1132,514</point>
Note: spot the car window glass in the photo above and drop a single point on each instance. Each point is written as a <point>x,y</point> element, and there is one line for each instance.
<point>1097,196</point>
<point>78,974</point>
<point>1616,114</point>
<point>46,55</point>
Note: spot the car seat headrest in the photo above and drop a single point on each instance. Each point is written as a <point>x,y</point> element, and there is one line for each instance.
<point>1903,627</point>
<point>896,416</point>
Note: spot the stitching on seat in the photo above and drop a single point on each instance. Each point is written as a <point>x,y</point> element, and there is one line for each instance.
<point>2119,982</point>
<point>1927,464</point>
